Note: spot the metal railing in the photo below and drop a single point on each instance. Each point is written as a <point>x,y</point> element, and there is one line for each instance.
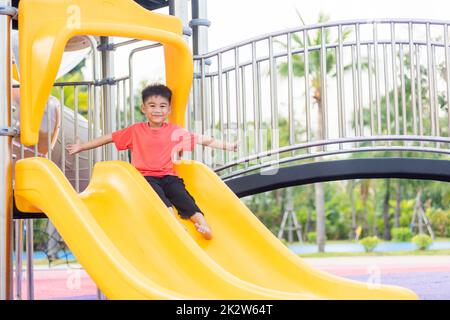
<point>361,86</point>
<point>61,125</point>
<point>326,89</point>
<point>82,115</point>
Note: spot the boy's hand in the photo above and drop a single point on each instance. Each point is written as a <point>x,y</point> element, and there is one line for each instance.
<point>232,146</point>
<point>75,148</point>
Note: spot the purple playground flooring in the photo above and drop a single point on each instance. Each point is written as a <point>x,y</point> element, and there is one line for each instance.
<point>427,285</point>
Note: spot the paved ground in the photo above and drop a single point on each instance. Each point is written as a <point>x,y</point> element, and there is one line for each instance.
<point>428,276</point>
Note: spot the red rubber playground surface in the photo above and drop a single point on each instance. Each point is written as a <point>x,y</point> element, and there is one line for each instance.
<point>428,276</point>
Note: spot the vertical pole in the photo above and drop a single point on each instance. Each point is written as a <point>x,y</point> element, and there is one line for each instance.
<point>180,9</point>
<point>108,113</point>
<point>109,107</point>
<point>30,253</point>
<point>5,157</point>
<point>19,251</point>
<point>199,25</point>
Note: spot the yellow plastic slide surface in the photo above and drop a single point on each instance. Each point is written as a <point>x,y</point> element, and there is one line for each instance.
<point>246,248</point>
<point>125,237</point>
<point>47,25</point>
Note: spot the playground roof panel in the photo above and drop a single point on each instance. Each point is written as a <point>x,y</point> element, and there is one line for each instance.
<point>147,4</point>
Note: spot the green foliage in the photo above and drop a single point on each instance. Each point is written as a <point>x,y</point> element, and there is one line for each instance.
<point>369,243</point>
<point>422,241</point>
<point>337,212</point>
<point>40,236</point>
<point>69,91</point>
<point>137,100</point>
<point>440,221</point>
<point>312,237</point>
<point>401,234</point>
<point>406,211</point>
<point>338,207</point>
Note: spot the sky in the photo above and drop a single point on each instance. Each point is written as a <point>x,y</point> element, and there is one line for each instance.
<point>236,20</point>
<point>232,20</point>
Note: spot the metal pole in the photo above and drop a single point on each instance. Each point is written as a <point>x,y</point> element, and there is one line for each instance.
<point>412,77</point>
<point>109,106</point>
<point>307,89</point>
<point>394,78</point>
<point>29,248</point>
<point>19,251</point>
<point>180,9</point>
<point>403,90</point>
<point>30,251</point>
<point>340,89</point>
<point>386,90</point>
<point>273,97</point>
<point>97,74</point>
<point>199,25</point>
<point>377,80</point>
<point>5,156</point>
<point>447,74</point>
<point>290,91</point>
<point>370,71</point>
<point>359,77</point>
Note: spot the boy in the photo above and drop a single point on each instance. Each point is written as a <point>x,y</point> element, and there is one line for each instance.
<point>154,144</point>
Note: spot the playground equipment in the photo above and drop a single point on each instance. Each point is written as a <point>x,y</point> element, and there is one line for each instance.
<point>104,225</point>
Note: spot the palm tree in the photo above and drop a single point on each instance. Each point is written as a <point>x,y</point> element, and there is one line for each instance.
<point>298,67</point>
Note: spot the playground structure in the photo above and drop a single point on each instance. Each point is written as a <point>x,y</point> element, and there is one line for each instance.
<point>109,240</point>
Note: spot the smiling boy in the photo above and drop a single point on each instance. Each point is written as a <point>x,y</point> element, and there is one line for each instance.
<point>154,145</point>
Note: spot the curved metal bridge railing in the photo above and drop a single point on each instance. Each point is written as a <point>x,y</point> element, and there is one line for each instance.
<point>328,89</point>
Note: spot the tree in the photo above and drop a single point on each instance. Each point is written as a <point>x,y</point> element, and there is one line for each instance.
<point>315,74</point>
<point>74,75</point>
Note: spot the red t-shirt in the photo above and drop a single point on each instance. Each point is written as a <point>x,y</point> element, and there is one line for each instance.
<point>153,149</point>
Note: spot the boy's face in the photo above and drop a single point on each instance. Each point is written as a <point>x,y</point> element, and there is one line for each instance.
<point>156,109</point>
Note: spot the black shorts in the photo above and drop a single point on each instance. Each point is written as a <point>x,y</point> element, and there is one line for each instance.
<point>172,191</point>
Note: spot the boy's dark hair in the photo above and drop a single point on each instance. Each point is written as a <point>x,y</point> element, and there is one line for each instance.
<point>156,90</point>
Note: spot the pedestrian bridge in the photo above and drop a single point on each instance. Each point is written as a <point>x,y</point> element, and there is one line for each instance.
<point>326,102</point>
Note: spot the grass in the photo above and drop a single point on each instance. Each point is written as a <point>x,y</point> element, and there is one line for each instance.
<point>377,254</point>
<point>42,262</point>
<point>356,242</point>
<point>55,263</point>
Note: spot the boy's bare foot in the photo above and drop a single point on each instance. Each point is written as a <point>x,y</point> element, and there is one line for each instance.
<point>201,225</point>
<point>204,230</point>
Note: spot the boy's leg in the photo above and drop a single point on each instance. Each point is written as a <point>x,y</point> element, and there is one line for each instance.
<point>173,213</point>
<point>156,185</point>
<point>185,204</point>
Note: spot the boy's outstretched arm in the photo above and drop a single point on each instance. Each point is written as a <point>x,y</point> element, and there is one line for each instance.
<point>78,146</point>
<point>218,144</point>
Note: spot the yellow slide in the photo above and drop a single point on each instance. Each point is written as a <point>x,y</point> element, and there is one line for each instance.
<point>126,238</point>
<point>133,248</point>
<point>246,248</point>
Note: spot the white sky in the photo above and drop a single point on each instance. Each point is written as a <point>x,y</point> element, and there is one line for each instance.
<point>237,20</point>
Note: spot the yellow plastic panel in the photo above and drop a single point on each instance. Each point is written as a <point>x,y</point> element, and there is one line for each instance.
<point>126,238</point>
<point>15,73</point>
<point>47,25</point>
<point>246,248</point>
